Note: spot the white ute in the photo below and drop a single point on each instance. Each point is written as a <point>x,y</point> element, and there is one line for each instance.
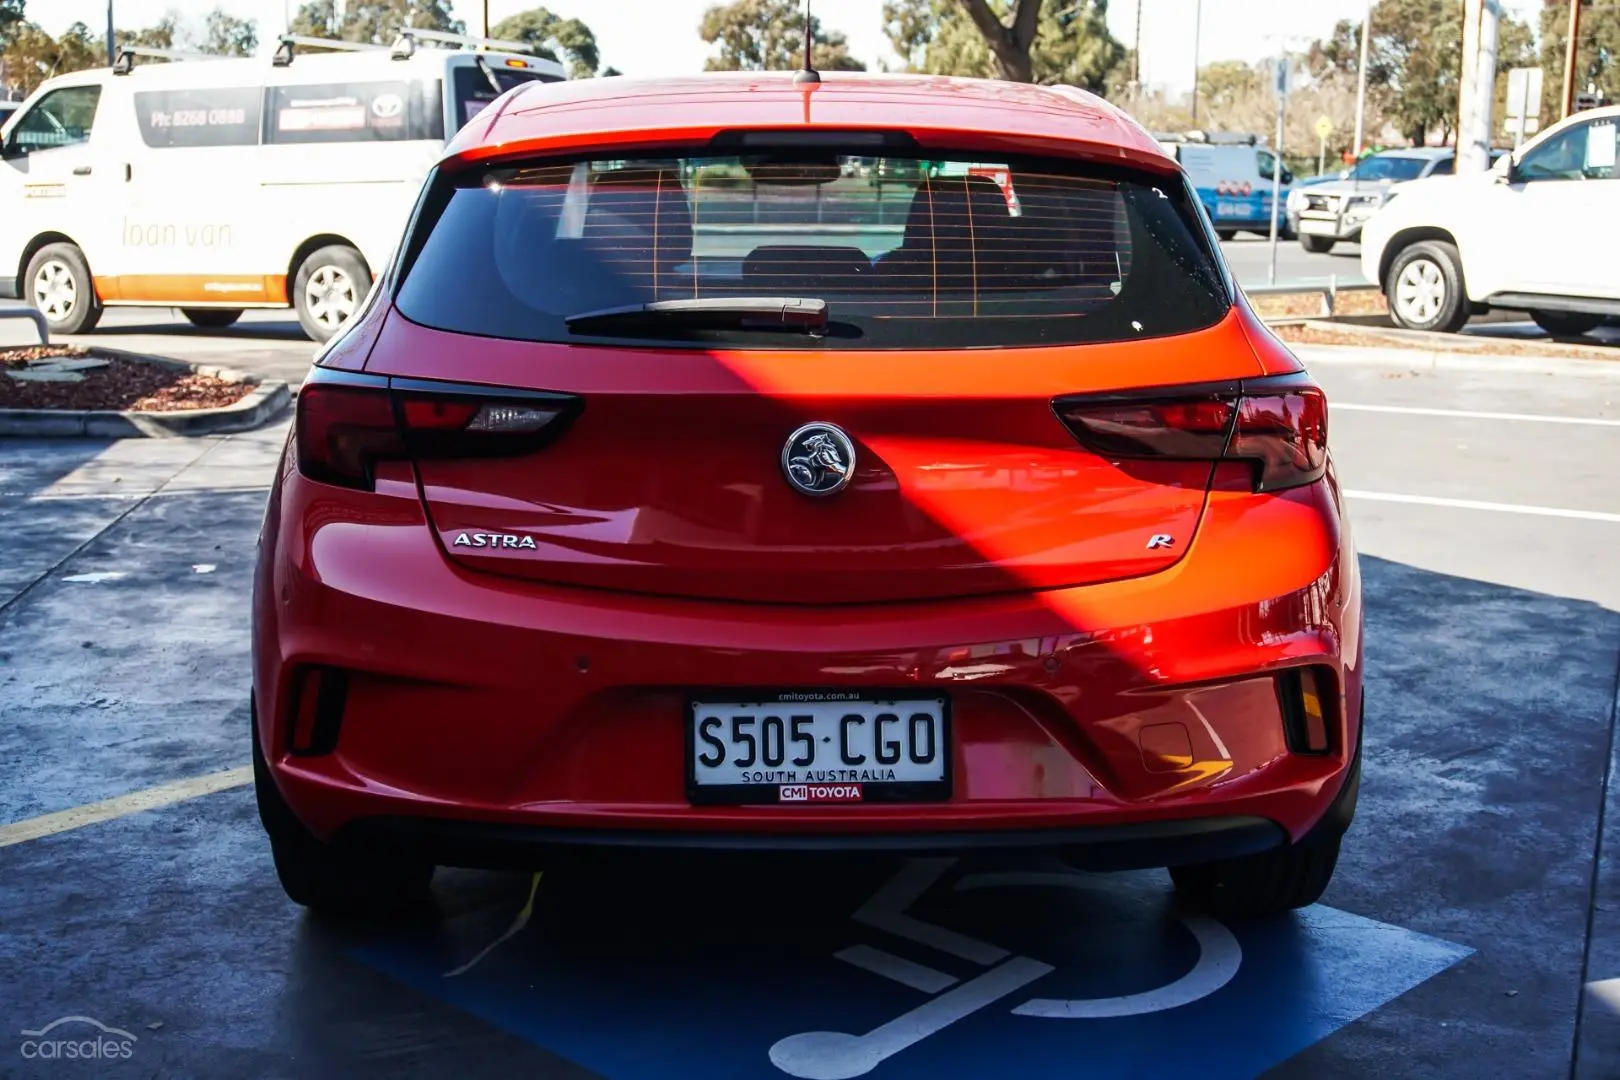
<point>1538,233</point>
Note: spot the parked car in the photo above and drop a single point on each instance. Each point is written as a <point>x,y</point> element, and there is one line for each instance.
<point>223,184</point>
<point>1334,210</point>
<point>1233,180</point>
<point>1538,233</point>
<point>1008,531</point>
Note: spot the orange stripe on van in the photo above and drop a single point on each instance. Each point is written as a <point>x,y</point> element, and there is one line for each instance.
<point>194,288</point>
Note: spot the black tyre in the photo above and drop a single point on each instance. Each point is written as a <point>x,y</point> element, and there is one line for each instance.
<point>211,318</point>
<point>1278,880</point>
<point>1226,234</point>
<point>57,282</point>
<point>1566,323</point>
<point>1316,245</point>
<point>325,879</point>
<point>1425,288</point>
<point>329,288</point>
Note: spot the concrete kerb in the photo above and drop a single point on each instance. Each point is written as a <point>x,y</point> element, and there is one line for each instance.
<point>267,399</point>
<point>1442,360</point>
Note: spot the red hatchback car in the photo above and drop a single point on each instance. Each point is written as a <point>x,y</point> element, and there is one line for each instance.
<point>881,464</point>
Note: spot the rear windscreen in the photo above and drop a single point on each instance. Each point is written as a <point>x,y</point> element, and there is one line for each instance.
<point>905,253</point>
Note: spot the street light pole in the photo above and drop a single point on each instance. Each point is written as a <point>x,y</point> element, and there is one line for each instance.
<point>1136,55</point>
<point>1571,47</point>
<point>112,43</point>
<point>1198,27</point>
<point>1361,77</point>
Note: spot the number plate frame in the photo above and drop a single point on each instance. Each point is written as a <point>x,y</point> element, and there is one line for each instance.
<point>767,794</point>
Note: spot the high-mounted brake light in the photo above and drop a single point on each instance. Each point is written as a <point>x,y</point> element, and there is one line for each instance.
<point>348,422</point>
<point>1277,424</point>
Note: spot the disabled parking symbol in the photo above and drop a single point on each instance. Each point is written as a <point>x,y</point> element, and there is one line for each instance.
<point>939,972</point>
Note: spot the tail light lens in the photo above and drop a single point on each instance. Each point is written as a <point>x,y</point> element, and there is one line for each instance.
<point>1278,425</point>
<point>347,422</point>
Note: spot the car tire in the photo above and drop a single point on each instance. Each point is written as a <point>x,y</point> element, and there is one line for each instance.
<point>1425,288</point>
<point>211,318</point>
<point>328,289</point>
<point>58,283</point>
<point>1226,234</point>
<point>1317,245</point>
<point>1282,879</point>
<point>1566,323</point>
<point>329,881</point>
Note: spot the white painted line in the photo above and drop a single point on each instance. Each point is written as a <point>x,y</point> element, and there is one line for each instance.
<point>1606,991</point>
<point>837,1055</point>
<point>95,577</point>
<point>1463,414</point>
<point>886,911</point>
<point>122,806</point>
<point>522,920</point>
<point>1219,957</point>
<point>1475,504</point>
<point>917,976</point>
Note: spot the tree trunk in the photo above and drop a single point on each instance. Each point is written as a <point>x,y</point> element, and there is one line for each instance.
<point>1015,66</point>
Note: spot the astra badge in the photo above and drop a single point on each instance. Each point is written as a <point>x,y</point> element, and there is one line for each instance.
<point>494,540</point>
<point>818,459</point>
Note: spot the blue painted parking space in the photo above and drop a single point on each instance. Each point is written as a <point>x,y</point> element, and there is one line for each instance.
<point>932,969</point>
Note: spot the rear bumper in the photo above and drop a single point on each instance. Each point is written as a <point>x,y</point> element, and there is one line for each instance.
<point>487,716</point>
<point>516,847</point>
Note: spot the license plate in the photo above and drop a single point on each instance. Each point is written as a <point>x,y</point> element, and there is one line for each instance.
<point>802,747</point>
<point>1232,209</point>
<point>1318,228</point>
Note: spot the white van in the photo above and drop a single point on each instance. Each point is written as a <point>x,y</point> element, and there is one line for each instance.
<point>213,185</point>
<point>1233,177</point>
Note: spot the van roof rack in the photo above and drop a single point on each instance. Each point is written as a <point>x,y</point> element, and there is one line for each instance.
<point>405,44</point>
<point>125,61</point>
<point>284,52</point>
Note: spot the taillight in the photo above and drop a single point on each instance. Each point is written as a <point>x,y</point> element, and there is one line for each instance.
<point>1277,424</point>
<point>347,422</point>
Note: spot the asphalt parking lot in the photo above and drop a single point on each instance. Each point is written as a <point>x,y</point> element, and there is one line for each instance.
<point>1473,929</point>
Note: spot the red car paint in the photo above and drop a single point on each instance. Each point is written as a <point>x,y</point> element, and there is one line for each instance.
<point>1094,680</point>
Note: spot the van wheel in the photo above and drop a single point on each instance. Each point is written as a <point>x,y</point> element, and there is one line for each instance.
<point>1566,323</point>
<point>58,284</point>
<point>329,288</point>
<point>1226,234</point>
<point>1316,245</point>
<point>1425,288</point>
<point>211,318</point>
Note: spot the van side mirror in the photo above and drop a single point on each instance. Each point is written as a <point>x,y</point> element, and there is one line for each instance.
<point>1506,170</point>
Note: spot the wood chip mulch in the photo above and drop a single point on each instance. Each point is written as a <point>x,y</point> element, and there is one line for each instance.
<point>122,384</point>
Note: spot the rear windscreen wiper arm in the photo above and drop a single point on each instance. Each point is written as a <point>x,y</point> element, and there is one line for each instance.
<point>791,314</point>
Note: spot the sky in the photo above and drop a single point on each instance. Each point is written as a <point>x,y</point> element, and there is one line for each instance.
<point>659,37</point>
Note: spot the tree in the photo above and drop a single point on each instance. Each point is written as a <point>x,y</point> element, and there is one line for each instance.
<point>11,19</point>
<point>768,35</point>
<point>31,55</point>
<point>1046,41</point>
<point>375,21</point>
<point>550,34</point>
<point>160,36</point>
<point>1597,57</point>
<point>229,36</point>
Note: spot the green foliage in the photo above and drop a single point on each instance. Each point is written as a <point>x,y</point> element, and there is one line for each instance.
<point>11,19</point>
<point>229,36</point>
<point>1597,59</point>
<point>768,35</point>
<point>31,55</point>
<point>374,21</point>
<point>1069,41</point>
<point>550,35</point>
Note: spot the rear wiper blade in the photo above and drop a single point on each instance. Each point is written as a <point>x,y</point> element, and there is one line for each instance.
<point>790,314</point>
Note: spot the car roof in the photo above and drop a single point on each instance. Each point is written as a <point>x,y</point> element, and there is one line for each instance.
<point>621,112</point>
<point>1418,152</point>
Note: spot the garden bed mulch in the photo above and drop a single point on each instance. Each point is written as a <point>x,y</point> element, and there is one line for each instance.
<point>123,384</point>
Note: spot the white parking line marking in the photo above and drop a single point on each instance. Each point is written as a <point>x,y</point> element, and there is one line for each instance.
<point>524,914</point>
<point>887,911</point>
<point>1475,504</point>
<point>107,809</point>
<point>837,1055</point>
<point>1465,414</point>
<point>912,974</point>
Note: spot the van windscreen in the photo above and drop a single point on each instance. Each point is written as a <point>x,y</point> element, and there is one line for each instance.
<point>899,253</point>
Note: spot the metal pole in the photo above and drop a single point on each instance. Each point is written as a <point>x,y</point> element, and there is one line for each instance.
<point>1198,26</point>
<point>1361,76</point>
<point>486,19</point>
<point>1570,49</point>
<point>1276,180</point>
<point>112,41</point>
<point>1321,155</point>
<point>1524,113</point>
<point>1136,55</point>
